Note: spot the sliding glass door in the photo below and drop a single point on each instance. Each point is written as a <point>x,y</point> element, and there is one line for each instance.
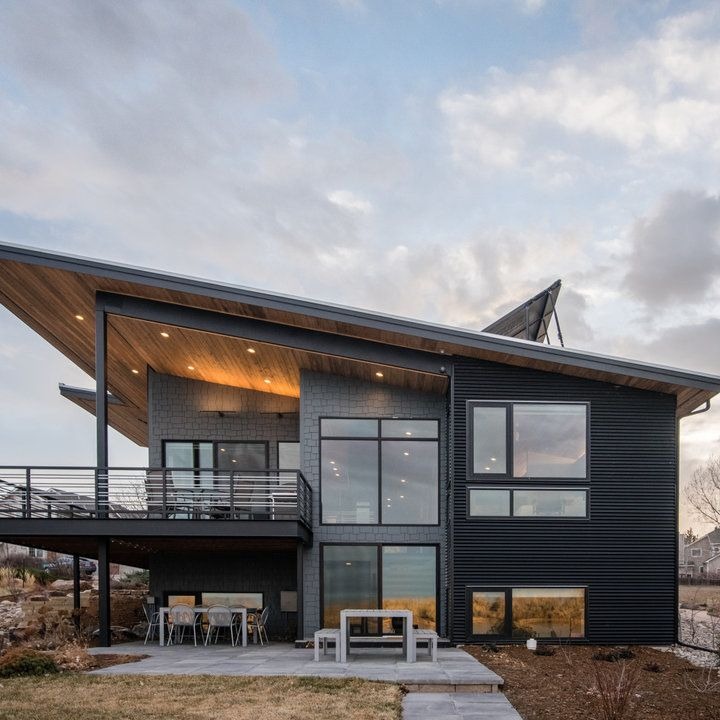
<point>379,576</point>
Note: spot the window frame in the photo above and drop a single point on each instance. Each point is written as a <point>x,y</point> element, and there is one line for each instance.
<point>215,450</point>
<point>511,489</point>
<point>510,444</point>
<point>507,589</point>
<point>379,546</point>
<point>378,438</point>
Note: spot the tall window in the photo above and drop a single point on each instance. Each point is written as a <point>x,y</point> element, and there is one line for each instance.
<point>379,576</point>
<point>529,440</point>
<point>379,471</point>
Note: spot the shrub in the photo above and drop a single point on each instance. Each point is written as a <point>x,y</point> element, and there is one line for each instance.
<point>614,655</point>
<point>545,650</point>
<point>616,691</point>
<point>653,667</point>
<point>23,661</point>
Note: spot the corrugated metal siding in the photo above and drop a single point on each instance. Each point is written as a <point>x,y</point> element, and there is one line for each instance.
<point>624,553</point>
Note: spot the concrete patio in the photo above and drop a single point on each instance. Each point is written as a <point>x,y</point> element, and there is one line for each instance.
<point>455,671</point>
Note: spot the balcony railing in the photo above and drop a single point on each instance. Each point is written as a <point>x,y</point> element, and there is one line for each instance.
<point>154,493</point>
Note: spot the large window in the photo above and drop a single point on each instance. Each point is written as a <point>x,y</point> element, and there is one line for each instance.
<point>379,576</point>
<point>527,612</point>
<point>527,502</point>
<point>529,440</point>
<point>379,471</point>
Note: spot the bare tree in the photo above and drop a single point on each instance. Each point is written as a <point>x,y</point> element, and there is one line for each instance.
<point>703,491</point>
<point>689,536</point>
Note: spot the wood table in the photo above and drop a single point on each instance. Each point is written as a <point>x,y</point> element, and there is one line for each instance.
<point>199,610</point>
<point>405,615</point>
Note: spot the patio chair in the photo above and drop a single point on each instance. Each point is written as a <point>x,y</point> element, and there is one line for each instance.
<point>258,623</point>
<point>152,616</point>
<point>219,617</point>
<point>180,618</point>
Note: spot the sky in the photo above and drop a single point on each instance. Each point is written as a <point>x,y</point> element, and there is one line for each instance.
<point>437,159</point>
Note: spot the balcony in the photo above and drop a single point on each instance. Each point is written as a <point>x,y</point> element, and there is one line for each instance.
<point>158,496</point>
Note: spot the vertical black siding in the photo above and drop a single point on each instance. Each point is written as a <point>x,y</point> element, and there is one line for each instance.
<point>624,553</point>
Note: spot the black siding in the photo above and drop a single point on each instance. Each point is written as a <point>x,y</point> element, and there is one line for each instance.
<point>624,553</point>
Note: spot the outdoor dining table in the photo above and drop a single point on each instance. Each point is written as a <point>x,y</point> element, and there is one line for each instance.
<point>199,610</point>
<point>405,615</point>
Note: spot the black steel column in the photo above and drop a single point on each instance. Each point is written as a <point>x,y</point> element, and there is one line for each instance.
<point>101,407</point>
<point>76,591</point>
<point>300,614</point>
<point>104,591</point>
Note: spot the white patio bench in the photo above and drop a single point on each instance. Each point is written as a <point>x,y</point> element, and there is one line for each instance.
<point>322,637</point>
<point>431,638</point>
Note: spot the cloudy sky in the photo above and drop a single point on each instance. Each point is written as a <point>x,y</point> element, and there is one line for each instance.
<point>440,159</point>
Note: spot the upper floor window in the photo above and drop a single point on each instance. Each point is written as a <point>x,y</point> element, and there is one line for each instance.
<point>379,471</point>
<point>696,552</point>
<point>528,440</point>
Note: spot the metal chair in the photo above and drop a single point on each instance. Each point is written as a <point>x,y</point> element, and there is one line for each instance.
<point>181,617</point>
<point>260,624</point>
<point>152,616</point>
<point>219,618</point>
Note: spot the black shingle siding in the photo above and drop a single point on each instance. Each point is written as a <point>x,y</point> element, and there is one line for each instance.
<point>624,553</point>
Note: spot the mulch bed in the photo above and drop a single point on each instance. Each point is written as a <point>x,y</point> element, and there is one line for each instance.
<point>563,686</point>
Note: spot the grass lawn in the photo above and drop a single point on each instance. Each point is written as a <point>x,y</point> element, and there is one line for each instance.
<point>84,697</point>
<point>700,595</point>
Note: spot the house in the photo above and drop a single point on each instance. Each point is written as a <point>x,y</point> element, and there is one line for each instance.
<point>699,557</point>
<point>308,457</point>
<point>9,550</point>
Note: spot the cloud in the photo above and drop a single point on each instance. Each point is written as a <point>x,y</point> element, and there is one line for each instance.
<point>675,253</point>
<point>350,201</point>
<point>656,96</point>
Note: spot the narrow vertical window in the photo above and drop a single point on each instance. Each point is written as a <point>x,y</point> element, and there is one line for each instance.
<point>490,440</point>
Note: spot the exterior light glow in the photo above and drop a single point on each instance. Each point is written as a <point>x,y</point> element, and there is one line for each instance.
<point>165,334</point>
<point>135,372</point>
<point>79,317</point>
<point>251,351</point>
<point>222,449</point>
<point>348,563</point>
<point>267,381</point>
<point>234,460</point>
<point>191,367</point>
<point>379,374</point>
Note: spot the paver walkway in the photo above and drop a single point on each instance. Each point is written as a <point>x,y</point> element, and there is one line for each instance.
<point>454,666</point>
<point>458,706</point>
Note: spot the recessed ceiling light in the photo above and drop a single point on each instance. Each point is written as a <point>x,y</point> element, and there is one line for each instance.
<point>222,449</point>
<point>403,480</point>
<point>267,381</point>
<point>191,367</point>
<point>487,468</point>
<point>332,462</point>
<point>79,317</point>
<point>406,453</point>
<point>402,497</point>
<point>408,433</point>
<point>234,460</point>
<point>348,563</point>
<point>251,351</point>
<point>165,334</point>
<point>494,459</point>
<point>379,374</point>
<point>135,372</point>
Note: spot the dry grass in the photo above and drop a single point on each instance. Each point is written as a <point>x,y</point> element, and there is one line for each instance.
<point>694,595</point>
<point>83,697</point>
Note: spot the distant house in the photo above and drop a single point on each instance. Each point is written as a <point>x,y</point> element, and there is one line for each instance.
<point>702,556</point>
<point>8,550</point>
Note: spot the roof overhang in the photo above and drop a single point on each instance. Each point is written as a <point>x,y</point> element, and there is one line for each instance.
<point>211,325</point>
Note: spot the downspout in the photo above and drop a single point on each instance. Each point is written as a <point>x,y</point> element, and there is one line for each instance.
<point>449,499</point>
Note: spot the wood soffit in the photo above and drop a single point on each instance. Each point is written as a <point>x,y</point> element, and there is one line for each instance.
<point>48,299</point>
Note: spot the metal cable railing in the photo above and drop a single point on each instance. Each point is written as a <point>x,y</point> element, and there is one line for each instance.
<point>161,493</point>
